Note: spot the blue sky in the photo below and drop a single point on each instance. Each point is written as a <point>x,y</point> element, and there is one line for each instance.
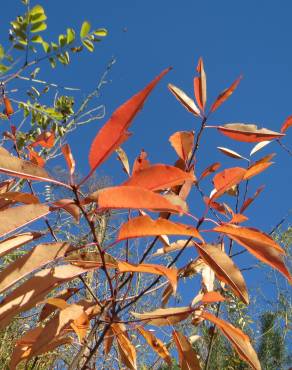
<point>247,37</point>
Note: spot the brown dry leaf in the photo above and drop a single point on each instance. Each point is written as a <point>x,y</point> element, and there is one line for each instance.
<point>164,316</point>
<point>143,226</point>
<point>16,196</point>
<point>225,269</point>
<point>39,256</point>
<point>91,259</point>
<point>123,158</point>
<point>188,359</point>
<point>248,132</point>
<point>48,308</point>
<point>286,124</point>
<point>230,153</point>
<point>126,348</point>
<point>34,290</point>
<point>24,169</point>
<point>108,341</point>
<point>210,169</point>
<point>66,150</point>
<point>185,100</point>
<point>132,197</point>
<point>13,218</point>
<point>167,293</point>
<point>169,273</point>
<point>69,206</point>
<point>177,245</point>
<point>156,344</point>
<point>237,338</point>
<point>16,241</point>
<point>261,245</point>
<point>159,177</point>
<point>226,179</point>
<point>225,94</point>
<point>200,86</point>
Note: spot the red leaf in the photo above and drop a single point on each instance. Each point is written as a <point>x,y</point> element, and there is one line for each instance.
<point>45,139</point>
<point>141,162</point>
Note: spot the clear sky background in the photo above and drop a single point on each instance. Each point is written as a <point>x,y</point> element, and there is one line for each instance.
<point>252,38</point>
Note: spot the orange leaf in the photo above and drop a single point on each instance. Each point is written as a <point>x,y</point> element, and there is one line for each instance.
<point>185,100</point>
<point>141,162</point>
<point>143,226</point>
<point>16,196</point>
<point>286,124</point>
<point>35,158</point>
<point>16,241</point>
<point>230,153</point>
<point>132,197</point>
<point>238,218</point>
<point>13,218</point>
<point>156,344</point>
<point>211,297</point>
<point>225,94</point>
<point>188,359</point>
<point>18,167</point>
<point>164,316</point>
<point>36,258</point>
<point>126,348</point>
<point>248,133</point>
<point>158,177</point>
<point>259,244</point>
<point>66,150</point>
<point>200,86</point>
<point>238,339</point>
<point>255,169</point>
<point>248,201</point>
<point>33,290</point>
<point>45,139</point>
<point>226,179</point>
<point>48,308</point>
<point>210,169</point>
<point>8,106</point>
<point>112,133</point>
<point>183,143</point>
<point>169,273</point>
<point>225,269</point>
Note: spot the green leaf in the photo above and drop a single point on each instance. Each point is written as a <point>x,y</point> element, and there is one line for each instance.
<point>52,62</point>
<point>67,57</point>
<point>35,72</point>
<point>38,27</point>
<point>3,68</point>
<point>46,47</point>
<point>37,14</point>
<point>85,28</point>
<point>88,44</point>
<point>2,52</point>
<point>37,93</point>
<point>101,32</point>
<point>19,47</point>
<point>62,40</point>
<point>70,35</point>
<point>38,39</point>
